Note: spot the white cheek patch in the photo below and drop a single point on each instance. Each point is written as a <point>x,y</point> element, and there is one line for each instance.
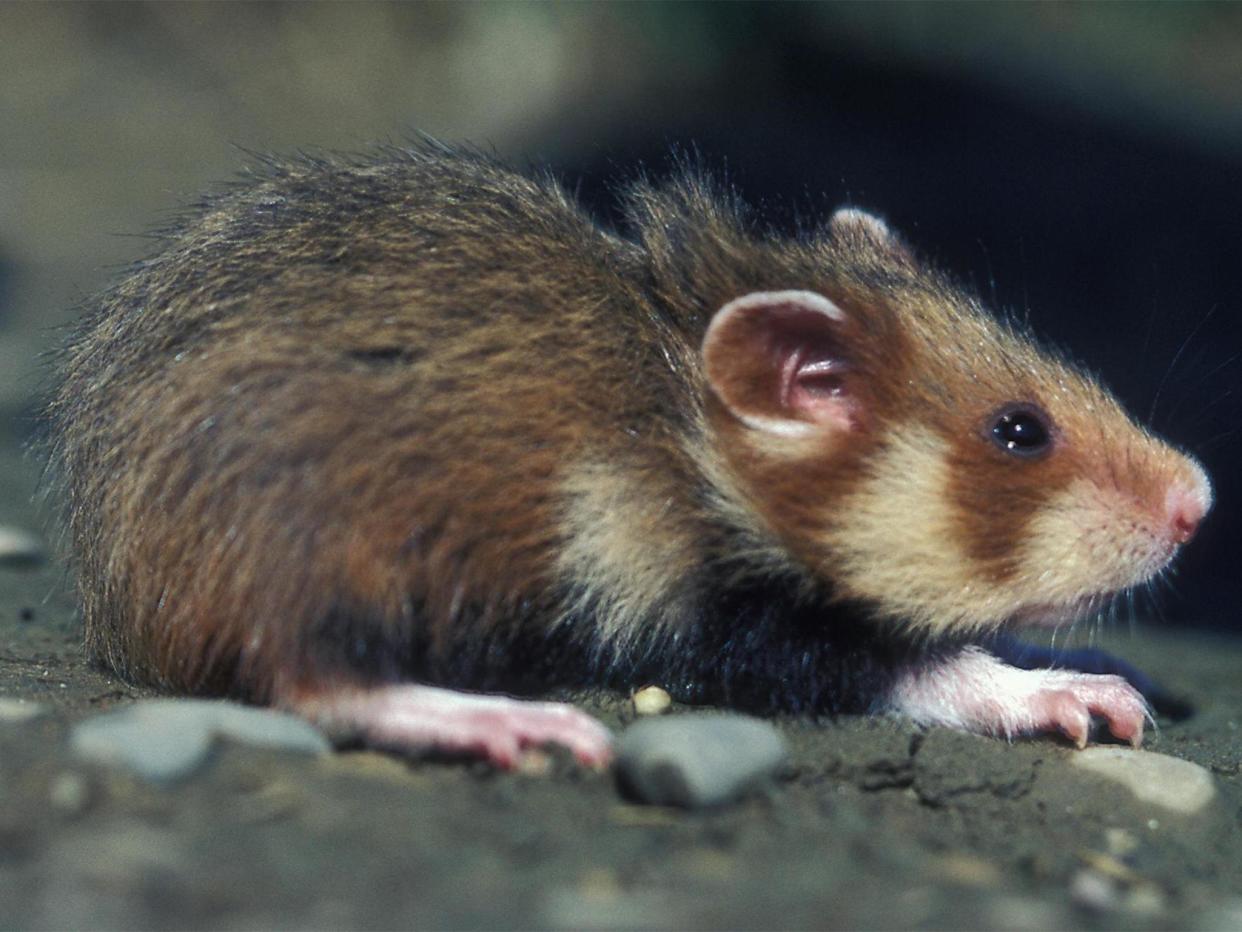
<point>898,542</point>
<point>1089,541</point>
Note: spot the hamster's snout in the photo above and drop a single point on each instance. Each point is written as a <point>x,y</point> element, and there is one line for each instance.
<point>1186,504</point>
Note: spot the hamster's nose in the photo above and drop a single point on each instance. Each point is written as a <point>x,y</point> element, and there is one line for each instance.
<point>1185,505</point>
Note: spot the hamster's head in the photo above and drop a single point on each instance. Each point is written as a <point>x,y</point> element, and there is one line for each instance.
<point>924,458</point>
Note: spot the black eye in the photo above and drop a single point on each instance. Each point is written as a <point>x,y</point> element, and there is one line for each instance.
<point>1022,431</point>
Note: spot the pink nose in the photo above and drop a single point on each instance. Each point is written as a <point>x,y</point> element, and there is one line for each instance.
<point>1185,506</point>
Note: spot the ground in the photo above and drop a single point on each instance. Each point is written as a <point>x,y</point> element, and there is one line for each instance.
<point>874,824</point>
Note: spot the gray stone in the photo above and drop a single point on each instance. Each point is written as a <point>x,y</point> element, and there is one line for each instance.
<point>166,739</point>
<point>1158,779</point>
<point>14,709</point>
<point>697,760</point>
<point>20,548</point>
<point>70,793</point>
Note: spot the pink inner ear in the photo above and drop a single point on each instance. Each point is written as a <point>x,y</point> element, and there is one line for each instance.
<point>813,387</point>
<point>779,361</point>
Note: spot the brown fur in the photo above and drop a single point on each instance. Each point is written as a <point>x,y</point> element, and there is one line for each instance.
<point>396,406</point>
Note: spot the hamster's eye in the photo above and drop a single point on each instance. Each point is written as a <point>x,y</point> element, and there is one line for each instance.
<point>1022,431</point>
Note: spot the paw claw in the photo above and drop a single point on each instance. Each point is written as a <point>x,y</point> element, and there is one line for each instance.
<point>1080,696</point>
<point>1069,715</point>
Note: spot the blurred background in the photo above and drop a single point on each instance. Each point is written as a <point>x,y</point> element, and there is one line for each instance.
<point>1077,162</point>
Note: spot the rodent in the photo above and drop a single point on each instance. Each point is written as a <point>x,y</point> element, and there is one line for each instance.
<point>367,431</point>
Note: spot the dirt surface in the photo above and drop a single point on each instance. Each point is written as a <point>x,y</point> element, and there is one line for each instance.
<point>873,824</point>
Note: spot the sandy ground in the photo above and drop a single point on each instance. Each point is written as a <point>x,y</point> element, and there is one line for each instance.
<point>873,825</point>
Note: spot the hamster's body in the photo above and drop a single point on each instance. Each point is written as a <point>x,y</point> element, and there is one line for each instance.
<point>416,419</point>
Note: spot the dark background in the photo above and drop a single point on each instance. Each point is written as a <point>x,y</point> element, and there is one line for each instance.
<point>1077,162</point>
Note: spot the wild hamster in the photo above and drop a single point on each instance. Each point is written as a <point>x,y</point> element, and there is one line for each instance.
<point>367,431</point>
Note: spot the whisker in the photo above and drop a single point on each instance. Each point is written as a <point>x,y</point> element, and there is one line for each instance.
<point>1145,353</point>
<point>1176,357</point>
<point>1215,369</point>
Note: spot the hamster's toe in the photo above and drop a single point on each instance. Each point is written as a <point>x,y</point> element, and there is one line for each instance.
<point>1072,699</point>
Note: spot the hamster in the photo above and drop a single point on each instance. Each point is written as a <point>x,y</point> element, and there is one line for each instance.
<point>367,433</point>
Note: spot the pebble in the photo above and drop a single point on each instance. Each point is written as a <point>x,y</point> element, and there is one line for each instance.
<point>651,700</point>
<point>167,739</point>
<point>1109,866</point>
<point>697,760</point>
<point>20,548</point>
<point>1119,842</point>
<point>1158,779</point>
<point>968,870</point>
<point>1146,899</point>
<point>19,710</point>
<point>69,793</point>
<point>1094,890</point>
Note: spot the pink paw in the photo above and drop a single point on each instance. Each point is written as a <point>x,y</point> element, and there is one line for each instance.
<point>974,691</point>
<point>1070,700</point>
<point>500,729</point>
<point>419,719</point>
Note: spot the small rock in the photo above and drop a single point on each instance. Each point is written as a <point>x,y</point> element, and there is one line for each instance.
<point>651,700</point>
<point>1158,779</point>
<point>166,739</point>
<point>1109,866</point>
<point>1095,891</point>
<point>697,760</point>
<point>968,870</point>
<point>1119,842</point>
<point>600,883</point>
<point>534,762</point>
<point>19,710</point>
<point>1146,899</point>
<point>69,793</point>
<point>20,548</point>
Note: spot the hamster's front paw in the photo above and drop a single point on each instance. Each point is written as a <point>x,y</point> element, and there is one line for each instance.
<point>974,691</point>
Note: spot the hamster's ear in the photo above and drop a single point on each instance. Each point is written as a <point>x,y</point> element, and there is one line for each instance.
<point>853,226</point>
<point>777,361</point>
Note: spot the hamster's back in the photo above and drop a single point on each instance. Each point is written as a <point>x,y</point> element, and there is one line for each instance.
<point>336,404</point>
